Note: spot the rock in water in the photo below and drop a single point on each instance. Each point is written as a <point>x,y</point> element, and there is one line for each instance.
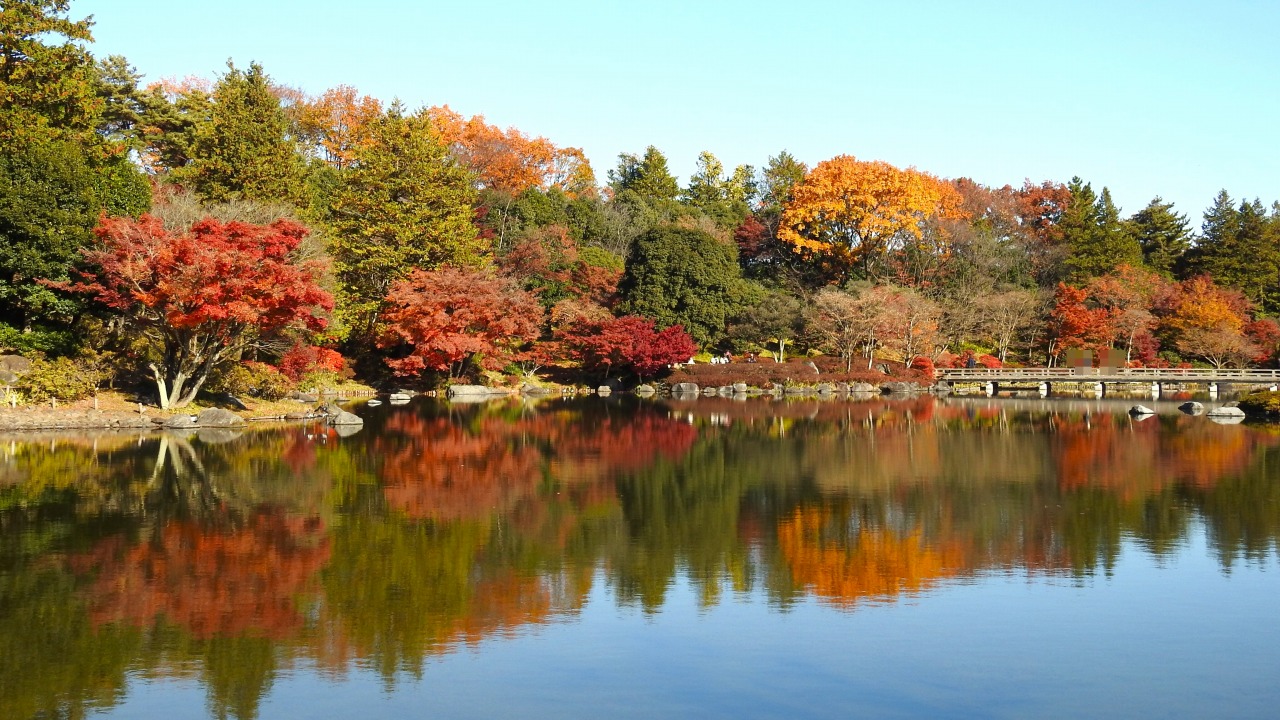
<point>1192,408</point>
<point>218,418</point>
<point>1141,410</point>
<point>345,418</point>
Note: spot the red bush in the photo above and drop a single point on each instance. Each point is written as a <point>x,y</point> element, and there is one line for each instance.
<point>302,359</point>
<point>989,361</point>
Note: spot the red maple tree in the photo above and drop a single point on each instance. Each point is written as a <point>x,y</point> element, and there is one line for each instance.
<point>445,319</point>
<point>627,344</point>
<point>203,296</point>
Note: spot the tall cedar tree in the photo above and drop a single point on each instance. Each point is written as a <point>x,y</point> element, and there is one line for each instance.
<point>45,87</point>
<point>1097,241</point>
<point>244,151</point>
<point>1163,235</point>
<point>678,276</point>
<point>203,297</point>
<point>62,163</point>
<point>1240,248</point>
<point>404,204</point>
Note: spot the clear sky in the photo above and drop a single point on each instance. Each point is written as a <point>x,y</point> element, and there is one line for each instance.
<point>1175,98</point>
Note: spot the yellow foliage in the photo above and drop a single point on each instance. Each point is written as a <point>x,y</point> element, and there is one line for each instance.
<point>858,210</point>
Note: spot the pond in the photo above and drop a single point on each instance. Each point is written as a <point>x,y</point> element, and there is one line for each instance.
<point>638,559</point>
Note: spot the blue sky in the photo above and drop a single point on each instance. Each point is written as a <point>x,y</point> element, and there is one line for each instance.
<point>1173,98</point>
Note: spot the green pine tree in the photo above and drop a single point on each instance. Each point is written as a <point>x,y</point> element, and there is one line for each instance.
<point>405,204</point>
<point>1163,235</point>
<point>244,151</point>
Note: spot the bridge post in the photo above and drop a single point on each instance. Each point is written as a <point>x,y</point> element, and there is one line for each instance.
<point>1155,390</point>
<point>1044,389</point>
<point>1213,390</point>
<point>1101,389</point>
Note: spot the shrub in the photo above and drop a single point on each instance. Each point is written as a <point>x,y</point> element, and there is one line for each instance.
<point>62,379</point>
<point>303,359</point>
<point>252,379</point>
<point>924,365</point>
<point>319,380</point>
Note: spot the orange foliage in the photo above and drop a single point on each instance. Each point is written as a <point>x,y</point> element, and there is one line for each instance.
<point>858,211</point>
<point>510,161</point>
<point>876,563</point>
<point>211,582</point>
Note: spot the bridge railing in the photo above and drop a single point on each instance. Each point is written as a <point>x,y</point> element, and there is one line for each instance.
<point>1112,374</point>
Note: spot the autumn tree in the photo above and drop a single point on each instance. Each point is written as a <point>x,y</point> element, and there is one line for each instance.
<point>1007,315</point>
<point>405,204</point>
<point>450,319</point>
<point>1073,323</point>
<point>612,346</point>
<point>1040,210</point>
<point>336,124</point>
<point>857,212</point>
<point>685,277</point>
<point>1208,321</point>
<point>847,324</point>
<point>201,298</point>
<point>549,263</point>
<point>1129,293</point>
<point>510,161</point>
<point>244,151</point>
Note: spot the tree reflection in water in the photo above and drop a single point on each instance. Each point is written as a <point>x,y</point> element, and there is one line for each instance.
<point>229,558</point>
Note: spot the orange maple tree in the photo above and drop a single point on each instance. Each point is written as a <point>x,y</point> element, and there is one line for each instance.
<point>858,211</point>
<point>509,160</point>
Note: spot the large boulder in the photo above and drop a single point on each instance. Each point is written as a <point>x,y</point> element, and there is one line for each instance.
<point>1141,411</point>
<point>739,387</point>
<point>1192,408</point>
<point>1226,411</point>
<point>179,422</point>
<point>900,388</point>
<point>685,388</point>
<point>345,418</point>
<point>646,391</point>
<point>861,387</point>
<point>218,418</point>
<point>472,390</point>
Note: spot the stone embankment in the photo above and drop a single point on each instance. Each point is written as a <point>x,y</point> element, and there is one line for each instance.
<point>41,418</point>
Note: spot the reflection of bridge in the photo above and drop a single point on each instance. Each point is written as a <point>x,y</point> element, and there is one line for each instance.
<point>1045,378</point>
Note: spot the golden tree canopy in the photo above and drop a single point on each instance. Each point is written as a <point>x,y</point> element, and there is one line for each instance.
<point>859,211</point>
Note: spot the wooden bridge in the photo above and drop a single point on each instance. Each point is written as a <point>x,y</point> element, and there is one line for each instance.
<point>1100,378</point>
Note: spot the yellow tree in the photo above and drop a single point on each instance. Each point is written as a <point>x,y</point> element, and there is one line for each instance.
<point>856,212</point>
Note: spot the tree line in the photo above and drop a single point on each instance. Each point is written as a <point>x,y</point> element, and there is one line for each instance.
<point>243,234</point>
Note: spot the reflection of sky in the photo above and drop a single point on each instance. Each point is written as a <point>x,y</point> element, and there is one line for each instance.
<point>1180,638</point>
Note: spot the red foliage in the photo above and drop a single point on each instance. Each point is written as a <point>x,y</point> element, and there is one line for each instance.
<point>1265,334</point>
<point>752,238</point>
<point>213,582</point>
<point>989,361</point>
<point>302,359</point>
<point>1075,324</point>
<point>625,344</point>
<point>222,279</point>
<point>924,365</point>
<point>450,316</point>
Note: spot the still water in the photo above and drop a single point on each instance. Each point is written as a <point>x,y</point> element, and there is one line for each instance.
<point>626,559</point>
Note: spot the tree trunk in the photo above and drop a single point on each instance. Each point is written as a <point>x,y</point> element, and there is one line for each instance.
<point>163,391</point>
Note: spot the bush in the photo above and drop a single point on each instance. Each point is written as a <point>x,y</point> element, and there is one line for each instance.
<point>924,365</point>
<point>62,379</point>
<point>306,359</point>
<point>251,379</point>
<point>319,380</point>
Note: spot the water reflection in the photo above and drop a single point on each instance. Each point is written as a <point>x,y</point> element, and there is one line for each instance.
<point>230,559</point>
